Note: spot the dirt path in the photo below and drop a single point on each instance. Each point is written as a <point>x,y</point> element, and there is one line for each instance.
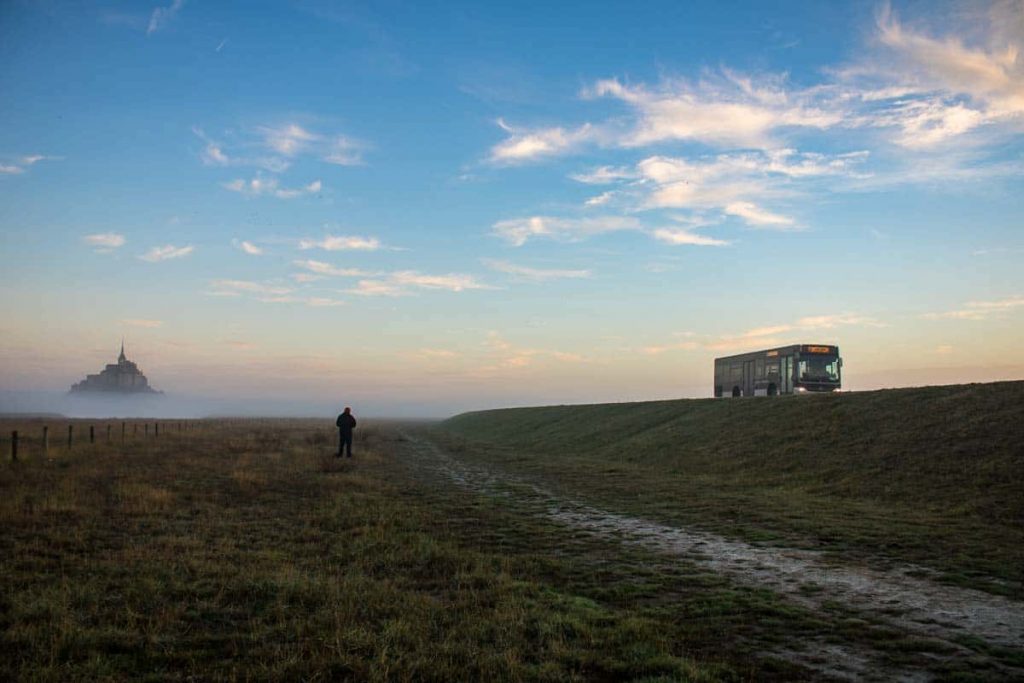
<point>914,605</point>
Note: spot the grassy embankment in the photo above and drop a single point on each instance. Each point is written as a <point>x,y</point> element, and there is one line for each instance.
<point>243,550</point>
<point>932,475</point>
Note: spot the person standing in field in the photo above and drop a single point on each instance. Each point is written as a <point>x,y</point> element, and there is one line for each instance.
<point>346,423</point>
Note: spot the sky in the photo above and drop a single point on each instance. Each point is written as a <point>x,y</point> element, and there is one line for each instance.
<point>423,208</point>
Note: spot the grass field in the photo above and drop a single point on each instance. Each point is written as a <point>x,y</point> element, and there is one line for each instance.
<point>931,475</point>
<point>244,551</point>
<point>237,550</point>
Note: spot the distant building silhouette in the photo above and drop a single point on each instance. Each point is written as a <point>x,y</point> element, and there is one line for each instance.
<point>122,377</point>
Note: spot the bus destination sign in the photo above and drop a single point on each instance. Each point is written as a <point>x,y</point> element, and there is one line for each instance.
<point>819,349</point>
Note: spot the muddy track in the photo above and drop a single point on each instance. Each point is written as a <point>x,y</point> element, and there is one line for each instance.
<point>895,598</point>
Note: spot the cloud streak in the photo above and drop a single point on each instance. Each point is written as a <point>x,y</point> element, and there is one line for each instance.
<point>166,252</point>
<point>105,241</point>
<point>979,310</point>
<point>535,274</point>
<point>342,243</point>
<point>257,187</point>
<point>518,231</point>
<point>162,15</point>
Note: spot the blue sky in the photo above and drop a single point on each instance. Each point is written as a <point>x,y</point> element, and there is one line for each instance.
<point>419,208</point>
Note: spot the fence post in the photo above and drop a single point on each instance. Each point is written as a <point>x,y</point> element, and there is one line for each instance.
<point>92,434</point>
<point>156,430</point>
<point>123,428</point>
<point>14,445</point>
<point>46,439</point>
<point>135,429</point>
<point>108,433</point>
<point>146,431</point>
<point>70,428</point>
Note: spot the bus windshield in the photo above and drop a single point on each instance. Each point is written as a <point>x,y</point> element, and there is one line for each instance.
<point>819,369</point>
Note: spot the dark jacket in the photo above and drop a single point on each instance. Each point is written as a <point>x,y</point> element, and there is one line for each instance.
<point>346,422</point>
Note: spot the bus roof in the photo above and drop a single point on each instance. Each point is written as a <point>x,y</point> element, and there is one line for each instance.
<point>827,349</point>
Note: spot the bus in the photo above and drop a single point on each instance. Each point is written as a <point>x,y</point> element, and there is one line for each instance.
<point>795,369</point>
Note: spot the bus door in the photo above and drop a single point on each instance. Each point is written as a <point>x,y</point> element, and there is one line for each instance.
<point>748,378</point>
<point>786,374</point>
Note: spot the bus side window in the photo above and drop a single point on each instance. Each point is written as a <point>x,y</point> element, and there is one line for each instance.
<point>759,368</point>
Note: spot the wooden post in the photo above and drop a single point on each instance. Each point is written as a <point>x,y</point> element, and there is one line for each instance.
<point>124,426</point>
<point>46,439</point>
<point>92,434</point>
<point>14,445</point>
<point>70,428</point>
<point>108,433</point>
<point>146,433</point>
<point>156,430</point>
<point>135,429</point>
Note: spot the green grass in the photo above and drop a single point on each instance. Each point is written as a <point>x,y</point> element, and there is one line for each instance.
<point>244,551</point>
<point>931,475</point>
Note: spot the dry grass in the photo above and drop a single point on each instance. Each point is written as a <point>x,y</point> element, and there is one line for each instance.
<point>245,551</point>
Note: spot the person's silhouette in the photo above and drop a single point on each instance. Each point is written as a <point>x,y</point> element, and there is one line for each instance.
<point>346,423</point>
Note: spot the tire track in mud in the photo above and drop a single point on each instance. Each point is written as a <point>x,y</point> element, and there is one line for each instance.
<point>894,598</point>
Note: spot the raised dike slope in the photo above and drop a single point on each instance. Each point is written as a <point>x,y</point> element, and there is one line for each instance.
<point>930,475</point>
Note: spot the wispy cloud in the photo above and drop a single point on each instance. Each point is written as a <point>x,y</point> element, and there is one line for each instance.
<point>18,165</point>
<point>214,154</point>
<point>600,200</point>
<point>936,92</point>
<point>166,252</point>
<point>342,243</point>
<point>765,336</point>
<point>250,248</point>
<point>527,145</point>
<point>758,217</point>
<point>239,287</point>
<point>161,15</point>
<point>377,288</point>
<point>323,302</point>
<point>279,147</point>
<point>725,110</point>
<point>142,322</point>
<point>269,186</point>
<point>321,268</point>
<point>677,237</point>
<point>291,140</point>
<point>405,282</point>
<point>518,231</point>
<point>452,282</point>
<point>979,310</point>
<point>104,242</point>
<point>534,274</point>
<point>732,184</point>
<point>604,175</point>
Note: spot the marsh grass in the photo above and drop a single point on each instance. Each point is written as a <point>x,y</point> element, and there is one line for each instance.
<point>245,550</point>
<point>930,476</point>
<point>240,551</point>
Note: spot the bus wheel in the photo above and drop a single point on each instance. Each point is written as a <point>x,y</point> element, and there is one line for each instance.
<point>735,392</point>
<point>772,391</point>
